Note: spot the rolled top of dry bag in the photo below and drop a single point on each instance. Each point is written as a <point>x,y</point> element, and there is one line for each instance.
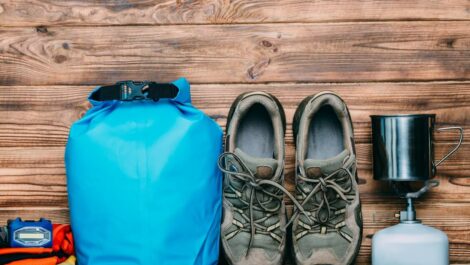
<point>142,177</point>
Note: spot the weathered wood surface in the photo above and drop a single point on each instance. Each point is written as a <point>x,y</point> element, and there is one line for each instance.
<point>157,12</point>
<point>381,56</point>
<point>454,219</point>
<point>36,119</point>
<point>325,52</point>
<point>41,115</point>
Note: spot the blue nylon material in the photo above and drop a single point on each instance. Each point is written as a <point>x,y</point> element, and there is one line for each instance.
<point>143,183</point>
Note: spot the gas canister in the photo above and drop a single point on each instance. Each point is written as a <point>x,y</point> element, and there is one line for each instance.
<point>410,243</point>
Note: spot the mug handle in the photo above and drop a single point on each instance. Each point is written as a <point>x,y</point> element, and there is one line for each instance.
<point>437,163</point>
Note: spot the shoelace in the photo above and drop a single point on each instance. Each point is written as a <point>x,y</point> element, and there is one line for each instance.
<point>257,186</point>
<point>324,183</point>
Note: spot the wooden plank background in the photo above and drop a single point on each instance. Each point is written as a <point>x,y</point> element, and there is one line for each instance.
<point>381,56</point>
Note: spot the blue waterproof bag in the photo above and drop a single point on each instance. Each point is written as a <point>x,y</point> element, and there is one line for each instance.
<point>142,177</point>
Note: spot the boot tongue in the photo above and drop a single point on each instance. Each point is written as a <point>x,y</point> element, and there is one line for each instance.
<point>263,168</point>
<point>317,168</point>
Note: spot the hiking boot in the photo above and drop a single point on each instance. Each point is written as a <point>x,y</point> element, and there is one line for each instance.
<point>326,183</point>
<point>254,219</point>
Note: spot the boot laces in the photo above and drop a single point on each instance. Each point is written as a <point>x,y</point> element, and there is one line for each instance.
<point>324,214</point>
<point>256,188</point>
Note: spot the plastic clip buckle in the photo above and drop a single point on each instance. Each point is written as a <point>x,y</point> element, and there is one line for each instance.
<point>133,90</point>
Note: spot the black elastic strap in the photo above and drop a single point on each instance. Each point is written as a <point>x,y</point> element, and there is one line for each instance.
<point>131,90</point>
<point>162,90</point>
<point>9,258</point>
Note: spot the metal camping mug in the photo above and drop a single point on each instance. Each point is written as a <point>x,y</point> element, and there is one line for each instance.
<point>403,147</point>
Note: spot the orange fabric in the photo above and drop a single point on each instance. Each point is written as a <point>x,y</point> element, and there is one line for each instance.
<point>6,251</point>
<point>44,261</point>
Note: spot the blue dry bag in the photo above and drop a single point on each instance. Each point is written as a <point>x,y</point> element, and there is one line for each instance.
<point>142,176</point>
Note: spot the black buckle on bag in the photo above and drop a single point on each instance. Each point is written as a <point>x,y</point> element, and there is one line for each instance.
<point>135,90</point>
<point>132,90</point>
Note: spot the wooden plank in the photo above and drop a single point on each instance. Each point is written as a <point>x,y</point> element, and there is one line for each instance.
<point>55,214</point>
<point>32,177</point>
<point>41,116</point>
<point>453,219</point>
<point>156,12</point>
<point>35,176</point>
<point>377,217</point>
<point>325,52</point>
<point>34,125</point>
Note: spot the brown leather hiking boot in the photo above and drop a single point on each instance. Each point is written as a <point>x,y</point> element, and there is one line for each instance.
<point>254,220</point>
<point>326,185</point>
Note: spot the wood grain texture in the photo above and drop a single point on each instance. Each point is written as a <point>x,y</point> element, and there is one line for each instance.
<point>454,219</point>
<point>41,115</point>
<point>56,214</point>
<point>326,52</point>
<point>167,12</point>
<point>381,56</point>
<point>34,123</point>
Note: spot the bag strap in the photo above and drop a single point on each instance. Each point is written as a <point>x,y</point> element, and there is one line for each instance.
<point>135,90</point>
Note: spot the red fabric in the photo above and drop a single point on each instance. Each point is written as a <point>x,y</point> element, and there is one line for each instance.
<point>62,240</point>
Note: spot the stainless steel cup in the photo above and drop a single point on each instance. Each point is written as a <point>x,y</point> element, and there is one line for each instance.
<point>403,147</point>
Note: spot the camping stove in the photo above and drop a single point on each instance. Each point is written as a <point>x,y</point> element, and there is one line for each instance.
<point>403,154</point>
